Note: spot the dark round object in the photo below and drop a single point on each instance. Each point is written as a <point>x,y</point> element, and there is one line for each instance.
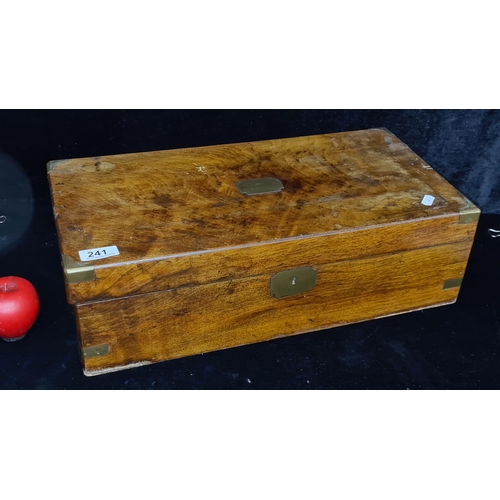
<point>16,203</point>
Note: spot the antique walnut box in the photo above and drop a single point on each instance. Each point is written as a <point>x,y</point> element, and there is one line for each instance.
<point>173,253</point>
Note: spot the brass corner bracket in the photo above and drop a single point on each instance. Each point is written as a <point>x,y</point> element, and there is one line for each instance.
<point>469,214</point>
<point>452,283</point>
<point>95,351</point>
<point>76,272</point>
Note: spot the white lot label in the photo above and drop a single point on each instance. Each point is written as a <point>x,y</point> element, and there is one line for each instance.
<point>427,200</point>
<point>98,253</point>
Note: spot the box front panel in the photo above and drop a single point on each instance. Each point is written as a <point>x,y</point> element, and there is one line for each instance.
<point>236,263</point>
<point>122,333</point>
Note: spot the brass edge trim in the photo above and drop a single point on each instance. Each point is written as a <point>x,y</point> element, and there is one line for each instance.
<point>75,272</point>
<point>53,163</point>
<point>95,351</point>
<point>469,214</point>
<point>454,282</point>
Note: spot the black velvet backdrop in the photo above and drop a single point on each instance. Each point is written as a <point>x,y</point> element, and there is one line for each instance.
<point>450,347</point>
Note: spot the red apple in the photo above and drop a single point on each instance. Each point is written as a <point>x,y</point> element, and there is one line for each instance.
<point>19,306</point>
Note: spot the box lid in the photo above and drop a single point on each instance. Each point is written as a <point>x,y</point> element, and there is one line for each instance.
<point>126,221</point>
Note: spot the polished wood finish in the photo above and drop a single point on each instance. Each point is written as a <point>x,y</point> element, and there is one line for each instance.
<point>234,263</point>
<point>196,319</point>
<point>173,205</point>
<point>197,255</point>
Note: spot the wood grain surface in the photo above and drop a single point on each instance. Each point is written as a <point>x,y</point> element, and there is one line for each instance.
<point>170,212</point>
<point>163,325</point>
<point>197,255</point>
<point>234,263</point>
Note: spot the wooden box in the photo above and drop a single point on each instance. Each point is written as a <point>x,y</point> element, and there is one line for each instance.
<point>173,253</point>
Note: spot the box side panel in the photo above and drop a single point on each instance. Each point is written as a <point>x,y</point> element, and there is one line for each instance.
<point>235,263</point>
<point>122,333</point>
